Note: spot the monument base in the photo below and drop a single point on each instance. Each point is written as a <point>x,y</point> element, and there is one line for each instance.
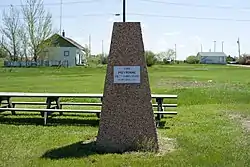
<point>127,120</point>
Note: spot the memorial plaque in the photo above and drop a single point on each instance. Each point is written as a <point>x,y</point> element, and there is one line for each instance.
<point>127,74</point>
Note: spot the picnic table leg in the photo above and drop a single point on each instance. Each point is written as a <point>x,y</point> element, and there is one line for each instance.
<point>99,114</point>
<point>159,107</point>
<point>45,114</point>
<point>45,118</point>
<point>48,102</point>
<point>1,104</point>
<point>10,105</point>
<point>2,99</point>
<point>58,105</point>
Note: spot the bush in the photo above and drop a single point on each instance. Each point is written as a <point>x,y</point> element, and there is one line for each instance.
<point>230,59</point>
<point>150,58</point>
<point>104,60</point>
<point>192,60</point>
<point>165,61</point>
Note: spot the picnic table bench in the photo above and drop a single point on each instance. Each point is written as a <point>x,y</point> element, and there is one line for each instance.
<point>53,103</point>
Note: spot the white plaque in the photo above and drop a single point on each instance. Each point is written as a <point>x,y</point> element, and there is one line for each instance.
<point>127,74</point>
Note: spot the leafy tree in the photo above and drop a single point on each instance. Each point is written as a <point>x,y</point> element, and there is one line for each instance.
<point>150,58</point>
<point>229,58</point>
<point>192,60</point>
<point>103,58</point>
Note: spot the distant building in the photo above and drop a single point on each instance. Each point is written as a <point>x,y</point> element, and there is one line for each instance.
<point>212,57</point>
<point>65,50</point>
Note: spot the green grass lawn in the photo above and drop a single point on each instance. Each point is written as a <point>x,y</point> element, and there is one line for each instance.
<point>212,127</point>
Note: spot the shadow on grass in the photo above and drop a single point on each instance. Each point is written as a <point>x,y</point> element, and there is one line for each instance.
<point>76,150</point>
<point>50,121</point>
<point>53,115</point>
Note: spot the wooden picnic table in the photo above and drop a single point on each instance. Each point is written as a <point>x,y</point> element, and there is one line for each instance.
<point>55,98</point>
<point>80,95</point>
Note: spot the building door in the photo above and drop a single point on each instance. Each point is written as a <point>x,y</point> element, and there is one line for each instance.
<point>78,59</point>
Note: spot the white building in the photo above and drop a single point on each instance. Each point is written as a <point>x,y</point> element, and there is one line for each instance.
<point>63,50</point>
<point>212,57</point>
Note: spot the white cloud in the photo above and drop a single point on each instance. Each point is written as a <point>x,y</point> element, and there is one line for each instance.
<point>172,33</point>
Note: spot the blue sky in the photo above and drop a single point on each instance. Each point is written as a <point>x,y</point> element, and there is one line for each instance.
<point>159,32</point>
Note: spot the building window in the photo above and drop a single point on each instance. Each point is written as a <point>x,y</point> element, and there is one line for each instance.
<point>66,53</point>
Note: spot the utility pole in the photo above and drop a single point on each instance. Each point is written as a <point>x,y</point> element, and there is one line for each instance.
<point>238,42</point>
<point>175,52</point>
<point>89,46</point>
<point>201,48</point>
<point>222,43</point>
<point>102,49</point>
<point>124,10</point>
<point>214,46</point>
<point>61,17</point>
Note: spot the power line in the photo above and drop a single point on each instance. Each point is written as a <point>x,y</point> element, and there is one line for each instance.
<point>196,5</point>
<point>55,4</point>
<point>190,17</point>
<point>84,15</point>
<point>153,15</point>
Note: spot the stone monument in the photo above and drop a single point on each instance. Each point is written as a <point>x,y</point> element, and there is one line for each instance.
<point>127,119</point>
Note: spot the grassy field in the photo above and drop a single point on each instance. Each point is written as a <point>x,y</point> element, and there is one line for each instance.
<point>212,127</point>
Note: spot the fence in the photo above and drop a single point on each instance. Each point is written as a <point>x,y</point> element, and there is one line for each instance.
<point>40,63</point>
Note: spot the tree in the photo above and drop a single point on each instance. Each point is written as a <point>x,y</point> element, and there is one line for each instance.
<point>10,30</point>
<point>3,53</point>
<point>192,60</point>
<point>38,25</point>
<point>87,50</point>
<point>24,43</point>
<point>244,59</point>
<point>166,56</point>
<point>229,58</point>
<point>150,58</point>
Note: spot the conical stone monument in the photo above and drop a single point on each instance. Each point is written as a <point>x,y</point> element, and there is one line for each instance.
<point>127,120</point>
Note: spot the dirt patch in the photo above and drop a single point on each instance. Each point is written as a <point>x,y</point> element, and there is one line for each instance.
<point>244,121</point>
<point>166,145</point>
<point>246,124</point>
<point>173,83</point>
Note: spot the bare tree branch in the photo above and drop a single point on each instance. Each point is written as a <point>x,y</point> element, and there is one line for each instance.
<point>38,23</point>
<point>168,55</point>
<point>10,31</point>
<point>24,43</point>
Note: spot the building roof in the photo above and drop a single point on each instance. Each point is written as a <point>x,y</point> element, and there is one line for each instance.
<point>56,39</point>
<point>211,54</point>
<point>73,43</point>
